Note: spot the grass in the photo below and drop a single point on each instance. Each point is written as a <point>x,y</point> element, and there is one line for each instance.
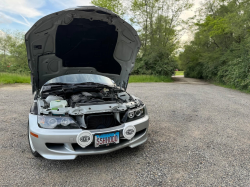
<point>230,87</point>
<point>149,78</point>
<point>179,72</point>
<point>11,78</point>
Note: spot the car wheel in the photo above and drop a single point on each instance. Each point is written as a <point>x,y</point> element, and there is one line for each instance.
<point>32,149</point>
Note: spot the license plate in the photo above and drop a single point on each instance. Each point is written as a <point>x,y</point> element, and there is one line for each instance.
<point>103,140</point>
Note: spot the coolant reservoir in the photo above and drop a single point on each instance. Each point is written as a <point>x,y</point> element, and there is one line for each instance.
<point>54,105</point>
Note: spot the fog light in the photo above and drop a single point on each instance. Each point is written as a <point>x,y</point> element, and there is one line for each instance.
<point>84,138</point>
<point>129,132</point>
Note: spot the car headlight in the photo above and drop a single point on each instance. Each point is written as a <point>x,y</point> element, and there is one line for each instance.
<point>134,114</point>
<point>52,122</point>
<point>131,114</point>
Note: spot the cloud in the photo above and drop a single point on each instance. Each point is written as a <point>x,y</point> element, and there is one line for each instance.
<point>2,34</point>
<point>8,19</point>
<point>26,20</point>
<point>189,13</point>
<point>189,35</point>
<point>4,19</point>
<point>21,11</point>
<point>70,4</point>
<point>25,8</point>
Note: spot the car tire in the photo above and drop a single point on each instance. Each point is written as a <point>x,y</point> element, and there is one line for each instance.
<point>32,150</point>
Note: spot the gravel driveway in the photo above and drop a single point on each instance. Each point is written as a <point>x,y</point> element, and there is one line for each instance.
<point>199,135</point>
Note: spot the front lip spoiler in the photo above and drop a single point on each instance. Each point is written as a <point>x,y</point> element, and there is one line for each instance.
<point>90,150</point>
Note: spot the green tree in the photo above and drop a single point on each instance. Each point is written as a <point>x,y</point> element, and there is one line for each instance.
<point>160,28</point>
<point>114,5</point>
<point>220,50</point>
<point>13,56</point>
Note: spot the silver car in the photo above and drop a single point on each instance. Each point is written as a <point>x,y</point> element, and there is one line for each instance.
<point>80,61</point>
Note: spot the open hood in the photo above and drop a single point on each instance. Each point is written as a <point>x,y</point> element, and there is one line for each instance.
<point>88,40</point>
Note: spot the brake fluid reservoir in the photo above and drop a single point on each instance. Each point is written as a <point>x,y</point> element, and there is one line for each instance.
<point>54,105</point>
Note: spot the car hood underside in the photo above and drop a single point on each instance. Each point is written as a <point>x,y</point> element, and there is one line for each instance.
<point>87,40</point>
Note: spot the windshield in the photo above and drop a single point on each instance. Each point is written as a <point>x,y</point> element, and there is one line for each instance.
<point>81,78</point>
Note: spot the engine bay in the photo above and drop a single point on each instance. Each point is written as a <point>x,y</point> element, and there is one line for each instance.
<point>90,108</point>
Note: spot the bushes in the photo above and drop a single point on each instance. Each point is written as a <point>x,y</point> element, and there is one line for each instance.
<point>155,63</point>
<point>194,71</point>
<point>236,74</point>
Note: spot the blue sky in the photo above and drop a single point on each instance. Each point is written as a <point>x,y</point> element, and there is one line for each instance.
<point>22,14</point>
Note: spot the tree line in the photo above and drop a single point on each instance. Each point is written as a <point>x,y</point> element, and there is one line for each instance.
<point>13,56</point>
<point>220,49</point>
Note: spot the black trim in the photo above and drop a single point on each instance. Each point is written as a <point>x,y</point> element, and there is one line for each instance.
<point>53,146</point>
<point>100,121</point>
<point>124,116</point>
<point>34,109</point>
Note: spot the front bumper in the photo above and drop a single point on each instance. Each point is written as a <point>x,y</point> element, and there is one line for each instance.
<point>60,144</point>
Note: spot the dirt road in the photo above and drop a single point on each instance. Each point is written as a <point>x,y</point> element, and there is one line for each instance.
<point>199,135</point>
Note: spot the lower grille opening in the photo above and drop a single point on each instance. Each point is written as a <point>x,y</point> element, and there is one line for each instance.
<point>54,146</point>
<point>100,121</point>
